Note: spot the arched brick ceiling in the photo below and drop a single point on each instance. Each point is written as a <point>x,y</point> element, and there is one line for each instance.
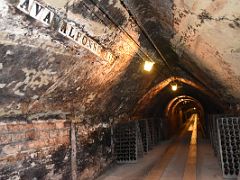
<point>42,71</point>
<point>150,98</point>
<point>204,34</point>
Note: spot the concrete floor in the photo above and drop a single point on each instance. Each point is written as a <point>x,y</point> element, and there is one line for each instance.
<point>207,164</point>
<point>168,161</point>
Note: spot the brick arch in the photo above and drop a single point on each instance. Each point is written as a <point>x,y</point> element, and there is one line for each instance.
<point>146,99</point>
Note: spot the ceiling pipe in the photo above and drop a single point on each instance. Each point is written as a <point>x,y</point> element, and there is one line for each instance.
<point>103,10</point>
<point>142,28</point>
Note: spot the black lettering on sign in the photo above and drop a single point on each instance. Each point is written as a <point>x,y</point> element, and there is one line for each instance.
<point>94,47</point>
<point>38,9</point>
<point>70,33</point>
<point>47,18</point>
<point>108,56</point>
<point>25,5</point>
<point>63,28</point>
<point>84,40</point>
<point>90,42</point>
<point>78,35</point>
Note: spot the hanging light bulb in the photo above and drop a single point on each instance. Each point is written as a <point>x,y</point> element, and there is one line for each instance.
<point>174,86</point>
<point>148,65</point>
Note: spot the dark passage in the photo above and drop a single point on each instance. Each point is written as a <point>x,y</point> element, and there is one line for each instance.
<point>119,89</point>
<point>171,159</point>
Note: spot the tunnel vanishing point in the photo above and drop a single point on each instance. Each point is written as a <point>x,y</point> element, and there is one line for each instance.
<point>119,89</point>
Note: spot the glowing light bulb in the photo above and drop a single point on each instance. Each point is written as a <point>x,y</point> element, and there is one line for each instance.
<point>174,87</point>
<point>148,65</point>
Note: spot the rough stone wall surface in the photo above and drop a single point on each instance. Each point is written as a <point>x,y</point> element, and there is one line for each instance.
<point>208,32</point>
<point>43,71</point>
<point>34,150</point>
<point>94,152</point>
<point>41,149</point>
<point>43,74</point>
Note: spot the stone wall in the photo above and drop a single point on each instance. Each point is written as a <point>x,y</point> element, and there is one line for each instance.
<point>94,150</point>
<point>45,73</point>
<point>37,149</point>
<point>41,149</point>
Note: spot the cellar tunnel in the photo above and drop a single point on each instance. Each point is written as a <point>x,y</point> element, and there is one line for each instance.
<point>118,89</point>
<point>175,107</point>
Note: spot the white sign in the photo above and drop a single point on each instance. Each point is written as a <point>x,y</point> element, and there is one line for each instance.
<point>74,33</point>
<point>36,10</point>
<point>67,29</point>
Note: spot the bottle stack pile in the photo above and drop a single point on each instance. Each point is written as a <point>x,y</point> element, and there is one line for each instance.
<point>145,132</point>
<point>225,138</point>
<point>128,142</point>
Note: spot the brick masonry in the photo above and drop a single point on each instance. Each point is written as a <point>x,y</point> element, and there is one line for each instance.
<point>41,149</point>
<point>37,149</point>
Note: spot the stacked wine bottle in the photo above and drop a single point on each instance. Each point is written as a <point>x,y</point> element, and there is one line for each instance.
<point>229,142</point>
<point>140,150</point>
<point>128,142</point>
<point>153,131</point>
<point>213,132</point>
<point>146,139</point>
